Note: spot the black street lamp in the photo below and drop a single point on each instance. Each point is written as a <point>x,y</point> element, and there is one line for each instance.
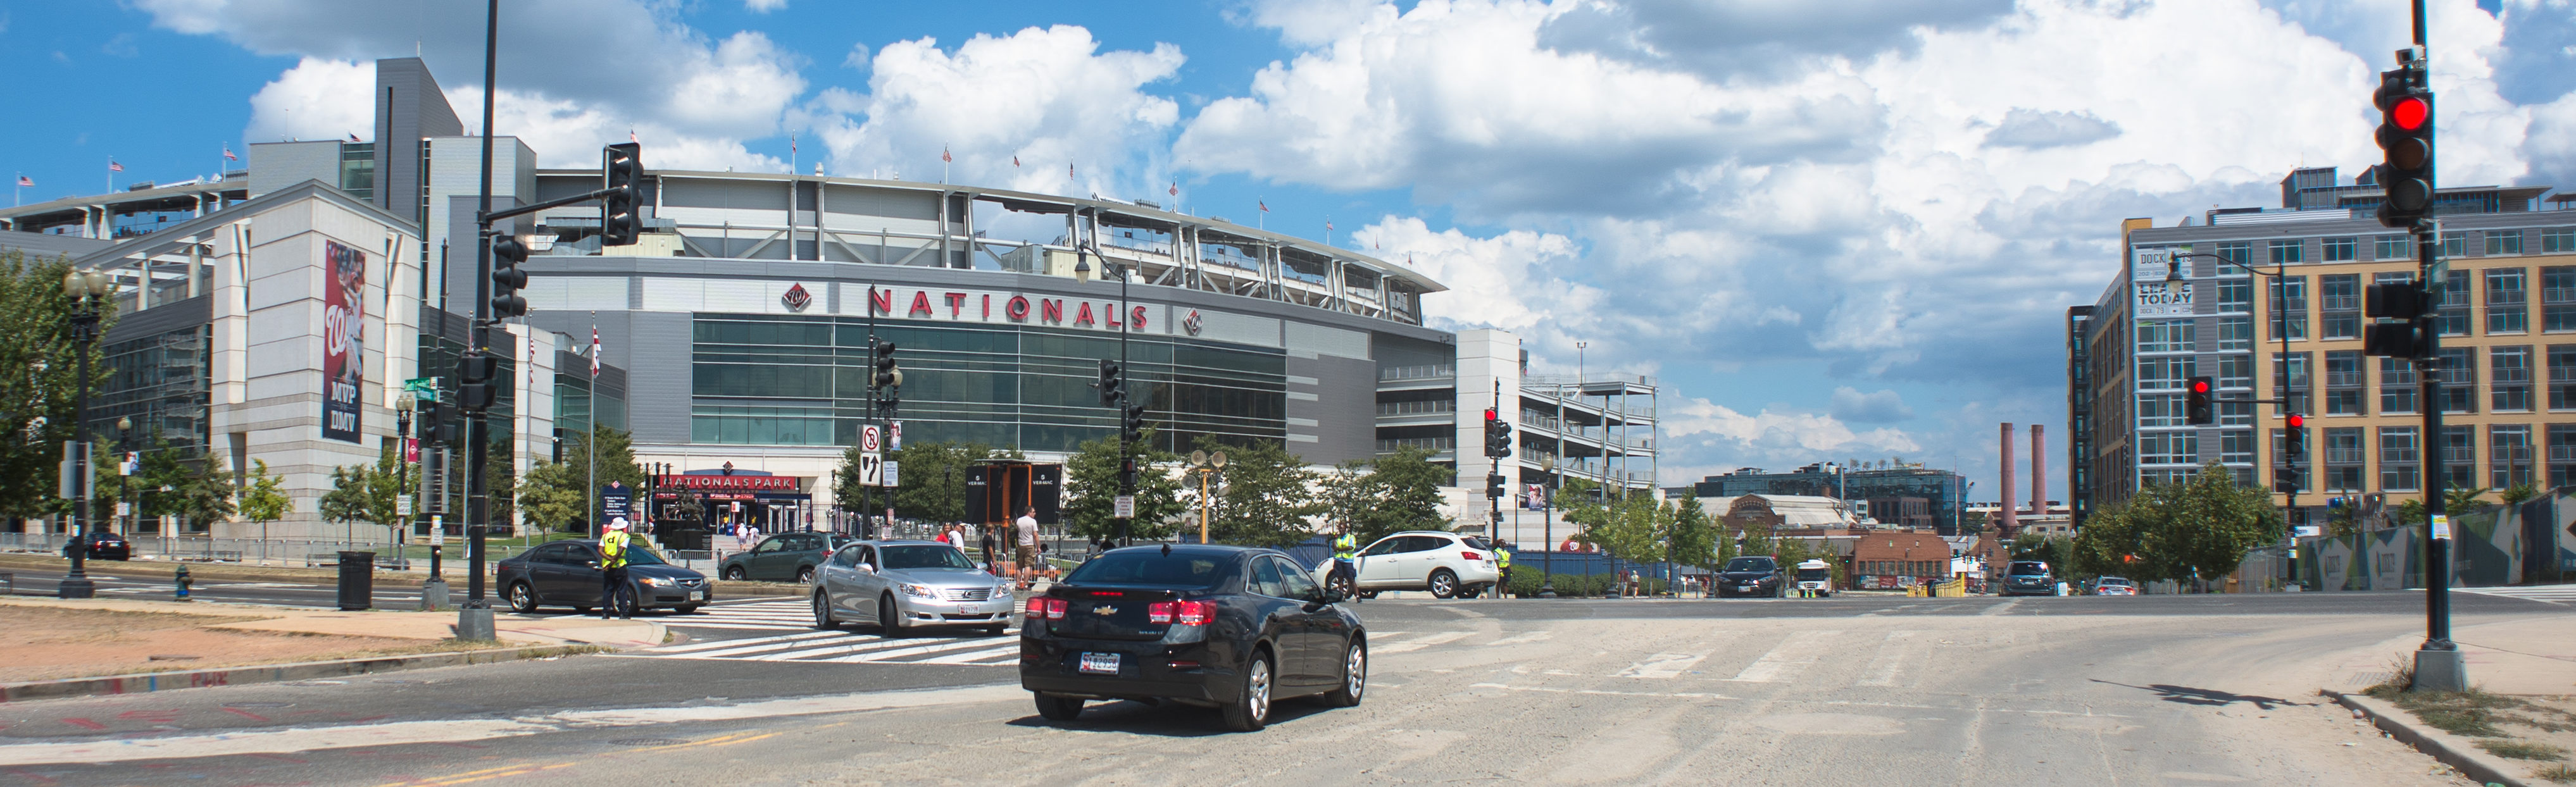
<point>2175,284</point>
<point>88,290</point>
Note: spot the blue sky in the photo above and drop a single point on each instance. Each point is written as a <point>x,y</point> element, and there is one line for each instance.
<point>1832,236</point>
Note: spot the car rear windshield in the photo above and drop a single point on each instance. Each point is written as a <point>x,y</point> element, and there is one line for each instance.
<point>2114,581</point>
<point>1477,543</point>
<point>1145,567</point>
<point>925,556</point>
<point>2027,567</point>
<point>1750,564</point>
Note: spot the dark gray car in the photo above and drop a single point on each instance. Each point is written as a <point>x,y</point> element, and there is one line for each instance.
<point>786,557</point>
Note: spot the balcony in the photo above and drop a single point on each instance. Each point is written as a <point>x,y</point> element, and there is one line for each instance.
<point>1433,444</point>
<point>1401,373</point>
<point>1417,408</point>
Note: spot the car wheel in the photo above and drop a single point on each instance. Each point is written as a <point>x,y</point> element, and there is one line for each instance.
<point>888,620</point>
<point>823,613</point>
<point>685,609</point>
<point>523,599</point>
<point>736,573</point>
<point>1055,708</point>
<point>1342,585</point>
<point>805,576</point>
<point>1444,584</point>
<point>1249,712</point>
<point>1354,677</point>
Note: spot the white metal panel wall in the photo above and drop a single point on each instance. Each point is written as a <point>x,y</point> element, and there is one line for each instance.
<point>1308,339</point>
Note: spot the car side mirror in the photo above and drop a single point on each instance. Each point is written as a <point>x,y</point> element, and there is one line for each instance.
<point>867,568</point>
<point>1330,596</point>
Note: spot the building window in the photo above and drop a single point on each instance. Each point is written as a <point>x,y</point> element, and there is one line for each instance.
<point>2454,314</point>
<point>2558,240</point>
<point>2455,245</point>
<point>2236,295</point>
<point>2344,458</point>
<point>2160,410</point>
<point>2235,333</point>
<point>2562,377</point>
<point>2288,252</point>
<point>2345,383</point>
<point>2168,448</point>
<point>2167,336</point>
<point>2290,382</point>
<point>2504,242</point>
<point>2340,249</point>
<point>2236,447</point>
<point>2509,379</point>
<point>2236,370</point>
<point>2397,386</point>
<point>2562,455</point>
<point>2290,307</point>
<point>2460,457</point>
<point>2508,306</point>
<point>2558,299</point>
<point>2237,251</point>
<point>2394,247</point>
<point>2339,298</point>
<point>2166,373</point>
<point>2458,378</point>
<point>2509,455</point>
<point>2235,413</point>
<point>2398,459</point>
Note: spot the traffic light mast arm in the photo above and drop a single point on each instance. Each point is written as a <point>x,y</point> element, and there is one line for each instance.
<point>487,218</point>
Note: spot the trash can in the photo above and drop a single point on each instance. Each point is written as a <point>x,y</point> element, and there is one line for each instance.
<point>357,580</point>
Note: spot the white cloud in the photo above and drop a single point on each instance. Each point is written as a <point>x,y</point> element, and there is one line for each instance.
<point>1875,407</point>
<point>763,6</point>
<point>1047,96</point>
<point>1701,430</point>
<point>317,99</point>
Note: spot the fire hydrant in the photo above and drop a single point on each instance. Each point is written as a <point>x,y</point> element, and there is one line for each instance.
<point>183,583</point>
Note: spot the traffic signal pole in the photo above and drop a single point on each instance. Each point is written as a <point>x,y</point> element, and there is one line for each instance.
<point>474,617</point>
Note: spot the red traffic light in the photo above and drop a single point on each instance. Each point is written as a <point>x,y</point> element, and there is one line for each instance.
<point>2298,421</point>
<point>2200,386</point>
<point>2410,113</point>
<point>1491,415</point>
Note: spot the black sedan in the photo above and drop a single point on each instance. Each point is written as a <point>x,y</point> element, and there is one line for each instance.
<point>105,546</point>
<point>1756,575</point>
<point>1232,628</point>
<point>565,574</point>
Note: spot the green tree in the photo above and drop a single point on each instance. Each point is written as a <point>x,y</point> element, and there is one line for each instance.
<point>2457,500</point>
<point>551,495</point>
<point>367,493</point>
<point>263,498</point>
<point>542,497</point>
<point>1267,499</point>
<point>1395,492</point>
<point>2200,528</point>
<point>167,483</point>
<point>1690,537</point>
<point>38,389</point>
<point>1091,489</point>
<point>932,478</point>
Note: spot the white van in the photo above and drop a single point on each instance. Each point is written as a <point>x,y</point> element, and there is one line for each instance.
<point>1815,579</point>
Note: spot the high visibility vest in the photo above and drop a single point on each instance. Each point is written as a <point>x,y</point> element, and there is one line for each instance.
<point>1502,558</point>
<point>1345,547</point>
<point>612,549</point>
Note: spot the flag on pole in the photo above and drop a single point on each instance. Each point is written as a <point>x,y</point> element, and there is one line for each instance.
<point>1176,188</point>
<point>353,137</point>
<point>228,154</point>
<point>1015,160</point>
<point>594,350</point>
<point>1068,172</point>
<point>1328,226</point>
<point>112,166</point>
<point>630,137</point>
<point>1265,207</point>
<point>24,181</point>
<point>943,154</point>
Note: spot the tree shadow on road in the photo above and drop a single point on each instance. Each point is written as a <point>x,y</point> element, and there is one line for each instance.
<point>2206,697</point>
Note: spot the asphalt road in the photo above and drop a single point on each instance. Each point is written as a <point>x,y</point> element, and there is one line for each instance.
<point>1854,690</point>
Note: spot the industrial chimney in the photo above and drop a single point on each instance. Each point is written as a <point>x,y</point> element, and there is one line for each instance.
<point>2009,523</point>
<point>2038,470</point>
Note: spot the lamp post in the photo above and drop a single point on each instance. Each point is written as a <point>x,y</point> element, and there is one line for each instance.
<point>1206,463</point>
<point>88,289</point>
<point>2175,285</point>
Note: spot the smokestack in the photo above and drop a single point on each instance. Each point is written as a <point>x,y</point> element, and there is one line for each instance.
<point>2038,470</point>
<point>2010,523</point>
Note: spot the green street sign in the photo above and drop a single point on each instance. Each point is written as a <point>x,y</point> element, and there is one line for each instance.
<point>423,388</point>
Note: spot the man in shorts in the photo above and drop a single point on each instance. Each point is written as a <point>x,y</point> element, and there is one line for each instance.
<point>1024,536</point>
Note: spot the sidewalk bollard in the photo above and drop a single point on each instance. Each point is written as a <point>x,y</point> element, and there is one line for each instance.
<point>183,582</point>
<point>433,591</point>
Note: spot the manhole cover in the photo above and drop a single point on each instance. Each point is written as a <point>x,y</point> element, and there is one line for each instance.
<point>400,681</point>
<point>644,742</point>
<point>259,704</point>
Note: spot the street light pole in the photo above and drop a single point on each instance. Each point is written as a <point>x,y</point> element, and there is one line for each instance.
<point>2174,282</point>
<point>86,288</point>
<point>474,617</point>
<point>1547,513</point>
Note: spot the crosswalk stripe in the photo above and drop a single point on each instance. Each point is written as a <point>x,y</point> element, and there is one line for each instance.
<point>1012,649</point>
<point>727,643</point>
<point>2554,594</point>
<point>890,654</point>
<point>1884,669</point>
<point>1421,642</point>
<point>833,652</point>
<point>1785,661</point>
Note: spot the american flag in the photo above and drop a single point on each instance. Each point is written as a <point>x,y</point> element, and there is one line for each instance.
<point>228,154</point>
<point>1176,188</point>
<point>1015,161</point>
<point>26,181</point>
<point>594,351</point>
<point>1265,207</point>
<point>1068,172</point>
<point>353,137</point>
<point>112,166</point>
<point>630,137</point>
<point>943,154</point>
<point>1328,226</point>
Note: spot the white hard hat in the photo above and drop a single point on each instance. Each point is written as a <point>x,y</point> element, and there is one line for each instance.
<point>617,524</point>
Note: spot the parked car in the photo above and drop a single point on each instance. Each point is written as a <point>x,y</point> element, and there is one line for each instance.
<point>105,546</point>
<point>1447,564</point>
<point>2114,586</point>
<point>785,557</point>
<point>895,585</point>
<point>1235,628</point>
<point>2030,578</point>
<point>566,574</point>
<point>1755,575</point>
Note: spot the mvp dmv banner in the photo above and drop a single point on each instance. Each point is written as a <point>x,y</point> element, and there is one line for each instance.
<point>344,318</point>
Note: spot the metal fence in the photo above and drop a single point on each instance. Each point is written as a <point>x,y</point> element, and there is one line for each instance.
<point>272,551</point>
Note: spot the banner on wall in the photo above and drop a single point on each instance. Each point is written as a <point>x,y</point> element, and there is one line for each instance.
<point>344,318</point>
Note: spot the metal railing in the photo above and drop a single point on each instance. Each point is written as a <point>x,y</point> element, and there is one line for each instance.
<point>272,551</point>
<point>1432,443</point>
<point>1417,408</point>
<point>1393,373</point>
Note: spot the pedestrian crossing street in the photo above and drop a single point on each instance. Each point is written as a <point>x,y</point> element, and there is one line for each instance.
<point>2556,594</point>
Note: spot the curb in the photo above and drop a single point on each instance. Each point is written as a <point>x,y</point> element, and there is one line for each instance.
<point>2452,750</point>
<point>267,673</point>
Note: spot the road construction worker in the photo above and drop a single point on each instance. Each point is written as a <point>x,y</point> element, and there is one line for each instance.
<point>1345,572</point>
<point>1503,565</point>
<point>612,569</point>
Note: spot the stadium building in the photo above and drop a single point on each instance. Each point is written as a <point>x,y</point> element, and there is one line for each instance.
<point>733,337</point>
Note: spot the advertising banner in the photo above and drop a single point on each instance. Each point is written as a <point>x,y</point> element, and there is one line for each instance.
<point>615,501</point>
<point>344,318</point>
<point>2147,277</point>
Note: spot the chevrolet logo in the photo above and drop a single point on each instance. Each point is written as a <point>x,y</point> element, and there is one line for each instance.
<point>1104,609</point>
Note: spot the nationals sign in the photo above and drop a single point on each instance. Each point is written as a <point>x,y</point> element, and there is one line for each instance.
<point>344,319</point>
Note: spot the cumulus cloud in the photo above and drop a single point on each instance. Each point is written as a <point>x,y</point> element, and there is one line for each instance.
<point>1869,408</point>
<point>1701,430</point>
<point>317,99</point>
<point>1768,37</point>
<point>2031,128</point>
<point>763,6</point>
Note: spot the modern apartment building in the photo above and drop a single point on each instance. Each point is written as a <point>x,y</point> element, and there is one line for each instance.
<point>2290,329</point>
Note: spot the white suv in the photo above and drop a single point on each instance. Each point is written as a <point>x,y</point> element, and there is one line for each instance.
<point>1447,564</point>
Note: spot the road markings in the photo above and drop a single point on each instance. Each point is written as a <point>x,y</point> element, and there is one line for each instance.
<point>283,741</point>
<point>845,647</point>
<point>1663,666</point>
<point>1522,639</point>
<point>1424,641</point>
<point>1884,669</point>
<point>1785,661</point>
<point>1702,695</point>
<point>776,615</point>
<point>2553,594</point>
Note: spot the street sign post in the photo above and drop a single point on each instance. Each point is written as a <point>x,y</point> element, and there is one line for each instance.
<point>868,438</point>
<point>871,469</point>
<point>890,477</point>
<point>1126,507</point>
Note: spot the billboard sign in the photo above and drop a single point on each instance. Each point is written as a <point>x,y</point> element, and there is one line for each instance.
<point>344,319</point>
<point>2147,279</point>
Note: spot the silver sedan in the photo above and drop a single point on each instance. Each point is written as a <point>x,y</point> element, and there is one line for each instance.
<point>897,585</point>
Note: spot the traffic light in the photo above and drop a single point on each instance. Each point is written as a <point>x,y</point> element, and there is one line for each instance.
<point>888,378</point>
<point>1496,486</point>
<point>1498,435</point>
<point>2285,480</point>
<point>2294,443</point>
<point>624,168</point>
<point>2405,302</point>
<point>478,371</point>
<point>2405,104</point>
<point>507,278</point>
<point>1131,421</point>
<point>559,434</point>
<point>433,424</point>
<point>1113,383</point>
<point>2196,408</point>
<point>1127,475</point>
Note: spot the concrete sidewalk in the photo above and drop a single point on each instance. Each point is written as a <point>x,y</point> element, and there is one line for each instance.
<point>512,629</point>
<point>2526,660</point>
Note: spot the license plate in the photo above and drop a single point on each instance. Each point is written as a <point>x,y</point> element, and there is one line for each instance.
<point>1100,663</point>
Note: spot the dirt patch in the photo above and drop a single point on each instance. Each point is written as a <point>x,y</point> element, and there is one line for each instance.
<point>2536,729</point>
<point>48,644</point>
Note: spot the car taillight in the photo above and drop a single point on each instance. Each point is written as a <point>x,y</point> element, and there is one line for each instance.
<point>1043,607</point>
<point>1471,556</point>
<point>1193,613</point>
<point>1159,612</point>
